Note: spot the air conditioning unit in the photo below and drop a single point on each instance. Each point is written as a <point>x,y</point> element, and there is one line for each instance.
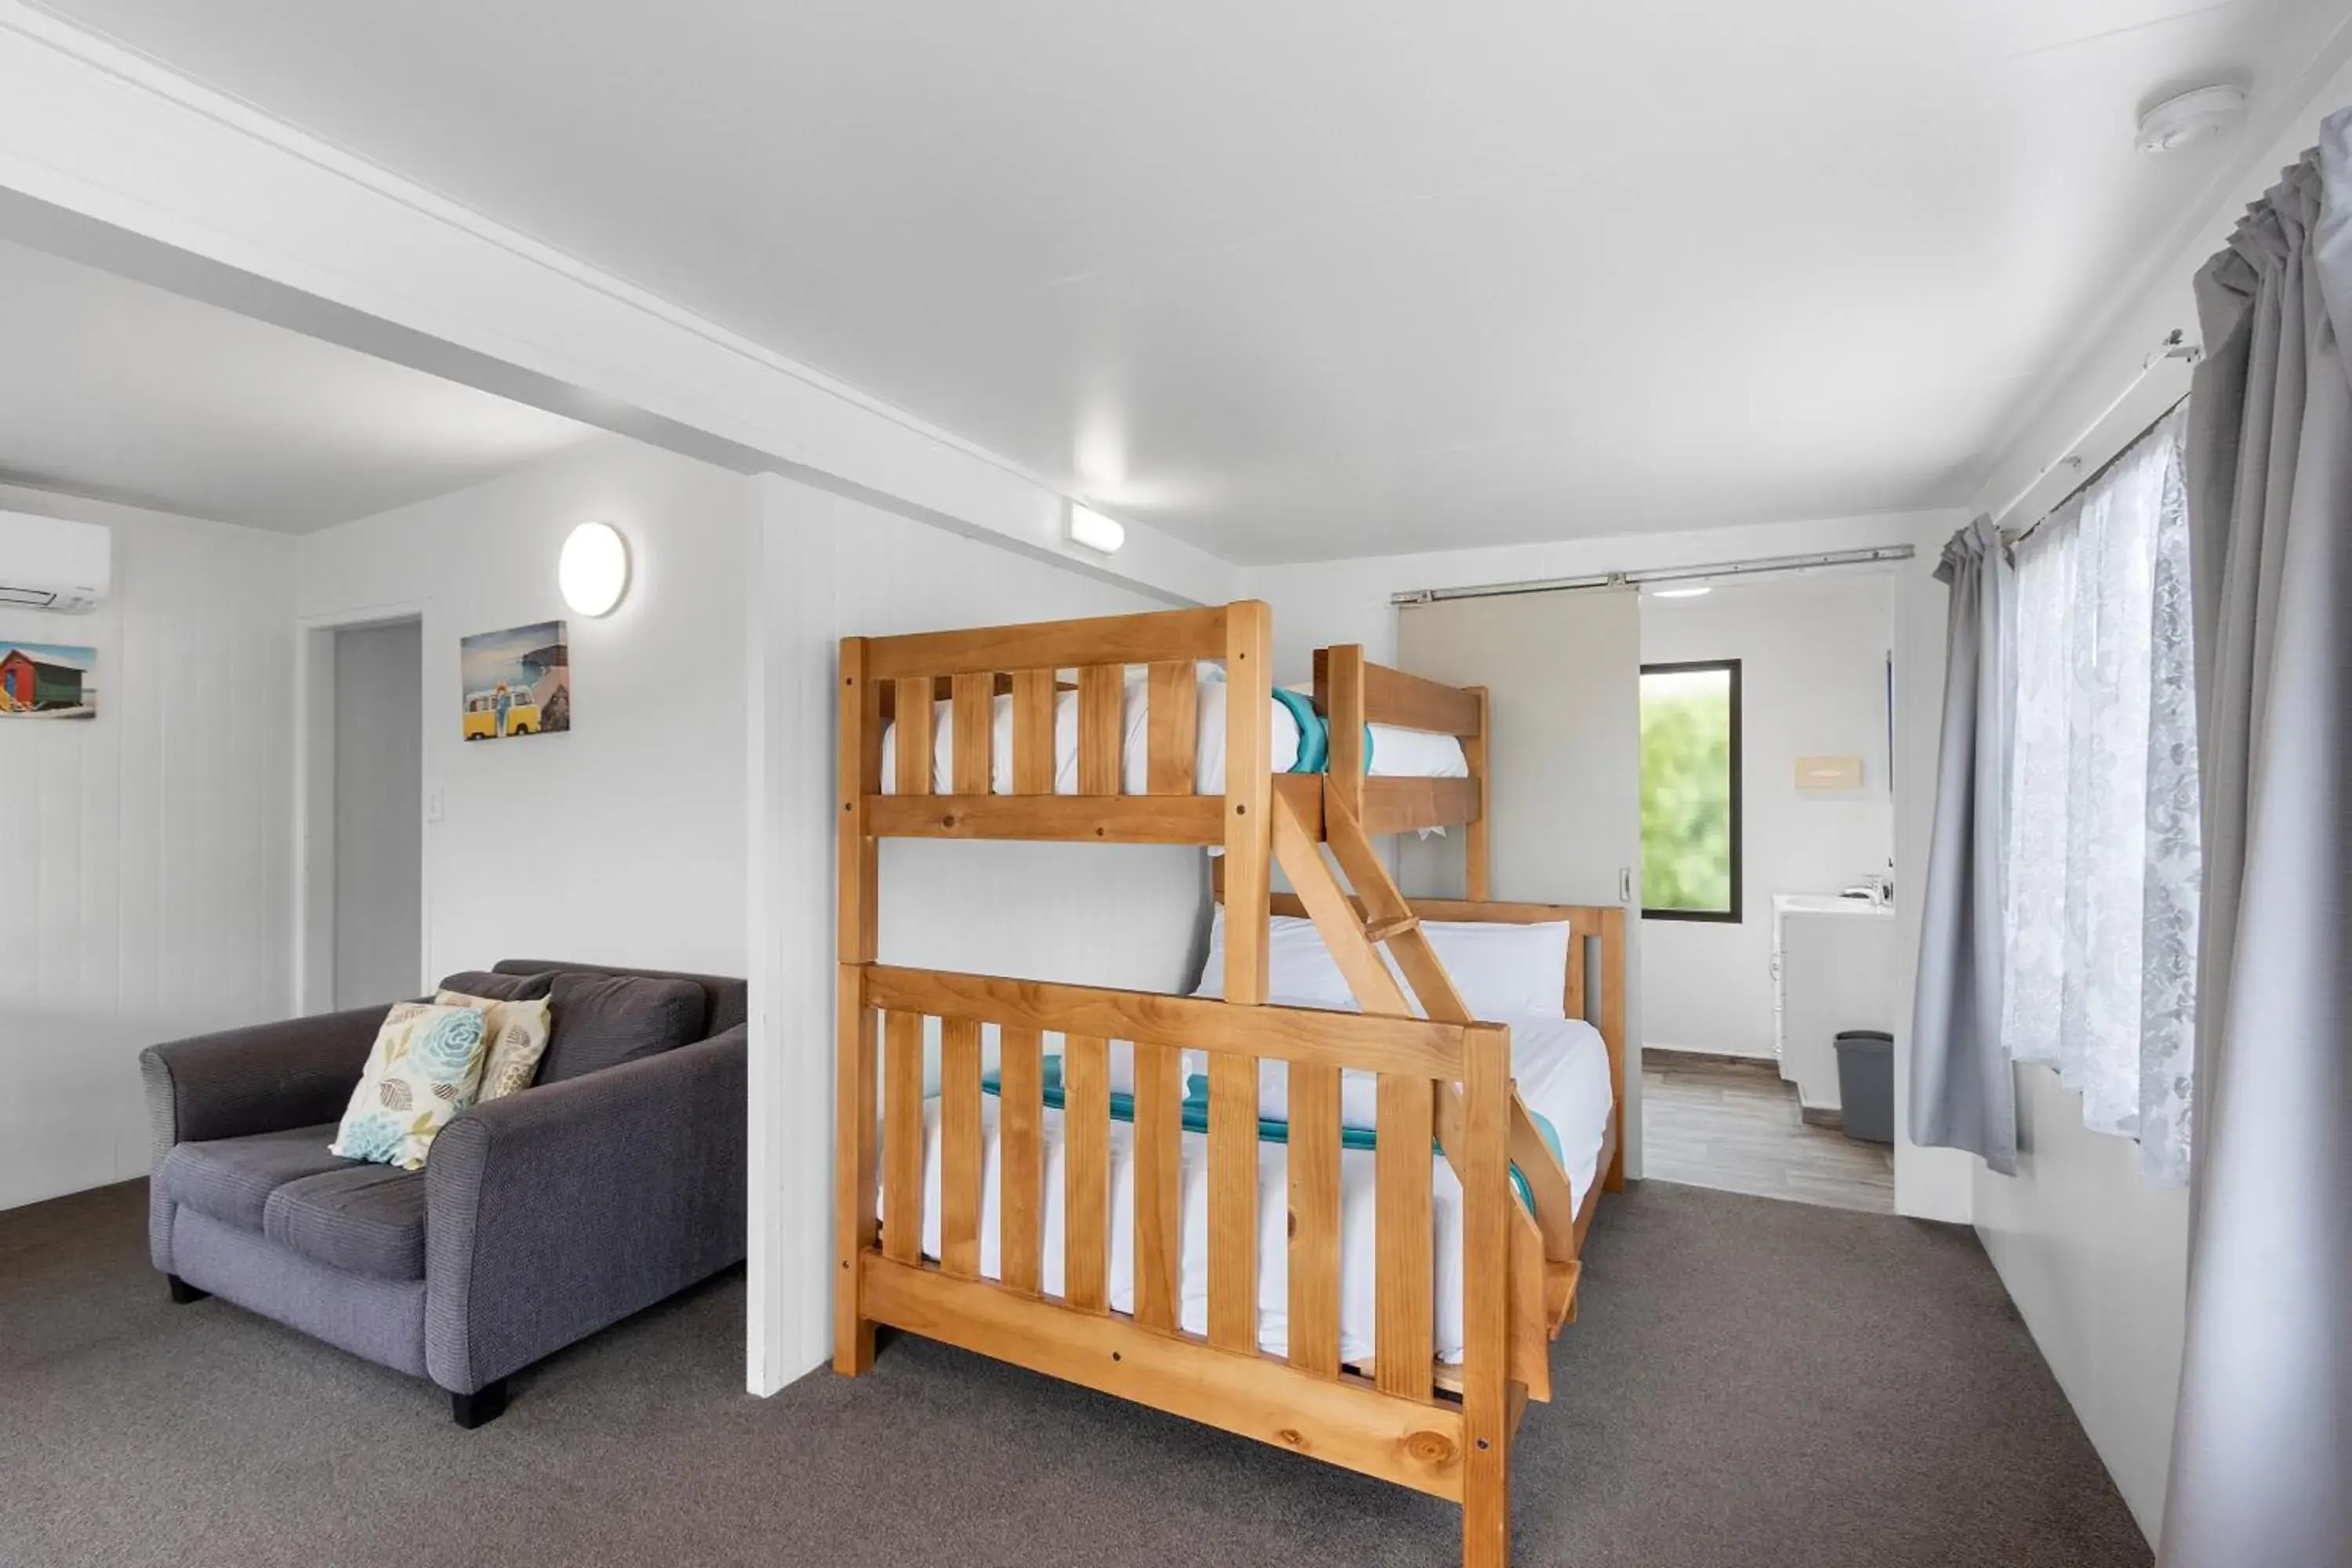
<point>48,563</point>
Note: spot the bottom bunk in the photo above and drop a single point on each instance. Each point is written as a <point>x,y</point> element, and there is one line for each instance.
<point>1192,1222</point>
<point>1561,1067</point>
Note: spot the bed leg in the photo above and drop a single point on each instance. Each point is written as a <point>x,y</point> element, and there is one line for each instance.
<point>853,1175</point>
<point>853,1348</point>
<point>1486,1507</point>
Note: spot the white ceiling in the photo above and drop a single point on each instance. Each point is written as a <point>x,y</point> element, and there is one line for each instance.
<point>1340,277</point>
<point>121,391</point>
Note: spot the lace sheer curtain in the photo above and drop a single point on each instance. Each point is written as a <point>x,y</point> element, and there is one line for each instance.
<point>2103,862</point>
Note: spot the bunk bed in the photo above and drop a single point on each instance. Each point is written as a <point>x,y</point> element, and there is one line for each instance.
<point>984,738</point>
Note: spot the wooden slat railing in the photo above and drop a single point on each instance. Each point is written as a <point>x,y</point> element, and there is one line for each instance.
<point>902,1135</point>
<point>1413,1056</point>
<point>1158,1185</point>
<point>1086,1173</point>
<point>959,1147</point>
<point>1019,1124</point>
<point>966,674</point>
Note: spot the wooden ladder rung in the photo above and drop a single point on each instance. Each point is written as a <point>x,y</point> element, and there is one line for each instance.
<point>1381,930</point>
<point>1559,1294</point>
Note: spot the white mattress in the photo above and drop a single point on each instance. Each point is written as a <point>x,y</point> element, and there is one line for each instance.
<point>1562,1067</point>
<point>1396,753</point>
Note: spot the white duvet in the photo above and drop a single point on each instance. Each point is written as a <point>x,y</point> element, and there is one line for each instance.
<point>1562,1069</point>
<point>1396,753</point>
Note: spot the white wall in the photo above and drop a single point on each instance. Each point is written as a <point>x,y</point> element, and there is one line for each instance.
<point>621,841</point>
<point>2095,1259</point>
<point>1131,916</point>
<point>1347,601</point>
<point>145,882</point>
<point>1813,654</point>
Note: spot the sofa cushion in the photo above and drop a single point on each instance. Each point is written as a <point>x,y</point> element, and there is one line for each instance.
<point>231,1179</point>
<point>427,1066</point>
<point>498,988</point>
<point>362,1219</point>
<point>603,1020</point>
<point>517,1039</point>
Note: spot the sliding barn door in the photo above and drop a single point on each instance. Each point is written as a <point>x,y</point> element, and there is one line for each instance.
<point>1563,672</point>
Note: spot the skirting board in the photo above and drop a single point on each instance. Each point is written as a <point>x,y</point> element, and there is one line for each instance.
<point>1682,1056</point>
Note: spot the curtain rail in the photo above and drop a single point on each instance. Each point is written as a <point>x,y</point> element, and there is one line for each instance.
<point>2176,347</point>
<point>1758,566</point>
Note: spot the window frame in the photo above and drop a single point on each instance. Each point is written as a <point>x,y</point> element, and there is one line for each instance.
<point>1736,914</point>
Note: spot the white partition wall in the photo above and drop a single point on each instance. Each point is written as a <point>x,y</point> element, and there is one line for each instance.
<point>1562,673</point>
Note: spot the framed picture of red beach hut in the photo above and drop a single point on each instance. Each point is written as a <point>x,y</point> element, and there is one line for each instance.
<point>48,680</point>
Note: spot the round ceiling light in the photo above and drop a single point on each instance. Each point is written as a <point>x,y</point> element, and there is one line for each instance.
<point>594,570</point>
<point>2191,118</point>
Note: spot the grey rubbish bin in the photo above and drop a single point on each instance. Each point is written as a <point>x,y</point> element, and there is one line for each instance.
<point>1865,1060</point>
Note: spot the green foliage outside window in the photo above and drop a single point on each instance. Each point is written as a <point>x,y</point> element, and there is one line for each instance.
<point>1687,802</point>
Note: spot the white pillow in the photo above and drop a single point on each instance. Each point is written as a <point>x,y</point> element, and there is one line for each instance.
<point>1501,971</point>
<point>1299,968</point>
<point>1505,970</point>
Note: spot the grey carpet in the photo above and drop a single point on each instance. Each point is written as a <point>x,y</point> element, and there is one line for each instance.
<point>1753,1383</point>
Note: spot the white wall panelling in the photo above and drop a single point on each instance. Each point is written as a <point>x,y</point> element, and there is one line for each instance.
<point>2097,1262</point>
<point>1812,681</point>
<point>145,868</point>
<point>623,839</point>
<point>829,567</point>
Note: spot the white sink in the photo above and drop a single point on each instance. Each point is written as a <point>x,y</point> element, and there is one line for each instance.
<point>1826,904</point>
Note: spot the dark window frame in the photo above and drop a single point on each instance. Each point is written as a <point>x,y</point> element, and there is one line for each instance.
<point>1736,914</point>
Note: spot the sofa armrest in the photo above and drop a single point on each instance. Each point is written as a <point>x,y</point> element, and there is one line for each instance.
<point>263,1079</point>
<point>552,1213</point>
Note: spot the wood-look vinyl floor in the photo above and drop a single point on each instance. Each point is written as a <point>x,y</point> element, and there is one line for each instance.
<point>1735,1126</point>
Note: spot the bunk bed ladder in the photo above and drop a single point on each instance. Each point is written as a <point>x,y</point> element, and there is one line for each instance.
<point>1379,915</point>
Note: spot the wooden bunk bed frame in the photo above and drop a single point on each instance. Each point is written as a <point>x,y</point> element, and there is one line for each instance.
<point>1442,1429</point>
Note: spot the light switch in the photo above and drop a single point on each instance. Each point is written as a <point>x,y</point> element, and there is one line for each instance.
<point>433,803</point>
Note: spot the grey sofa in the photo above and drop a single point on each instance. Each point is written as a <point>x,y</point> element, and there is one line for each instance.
<point>615,1181</point>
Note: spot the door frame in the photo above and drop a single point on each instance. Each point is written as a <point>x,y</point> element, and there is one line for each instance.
<point>314,798</point>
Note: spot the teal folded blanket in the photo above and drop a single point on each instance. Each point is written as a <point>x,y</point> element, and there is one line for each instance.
<point>1315,734</point>
<point>1269,1130</point>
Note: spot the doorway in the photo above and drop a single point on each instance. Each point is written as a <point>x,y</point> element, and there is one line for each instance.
<point>363,808</point>
<point>1767,829</point>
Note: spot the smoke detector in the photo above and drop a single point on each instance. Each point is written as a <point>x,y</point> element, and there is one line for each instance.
<point>2191,118</point>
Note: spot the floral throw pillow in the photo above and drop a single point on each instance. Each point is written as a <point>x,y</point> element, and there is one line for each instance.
<point>425,1068</point>
<point>518,1032</point>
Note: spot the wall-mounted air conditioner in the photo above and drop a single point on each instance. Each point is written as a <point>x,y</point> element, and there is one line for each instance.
<point>48,563</point>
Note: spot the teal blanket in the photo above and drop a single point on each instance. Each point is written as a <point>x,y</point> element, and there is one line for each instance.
<point>1315,734</point>
<point>1269,1130</point>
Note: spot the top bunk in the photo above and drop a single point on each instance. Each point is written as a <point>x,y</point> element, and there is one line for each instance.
<point>1149,729</point>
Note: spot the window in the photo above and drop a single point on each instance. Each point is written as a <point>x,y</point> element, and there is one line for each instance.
<point>1690,791</point>
<point>2101,858</point>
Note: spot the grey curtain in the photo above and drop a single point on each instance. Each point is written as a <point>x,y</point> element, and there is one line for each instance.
<point>2262,1453</point>
<point>1962,1093</point>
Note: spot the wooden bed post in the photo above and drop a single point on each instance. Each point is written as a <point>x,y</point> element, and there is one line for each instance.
<point>1613,1033</point>
<point>1339,692</point>
<point>855,1107</point>
<point>1249,792</point>
<point>1486,1202</point>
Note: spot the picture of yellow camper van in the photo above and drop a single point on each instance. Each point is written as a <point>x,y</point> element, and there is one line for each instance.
<point>482,715</point>
<point>516,682</point>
